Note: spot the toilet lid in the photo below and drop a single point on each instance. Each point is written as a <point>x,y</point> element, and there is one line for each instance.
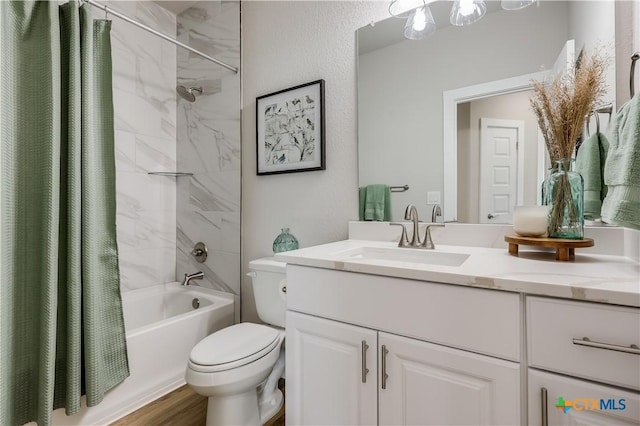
<point>234,346</point>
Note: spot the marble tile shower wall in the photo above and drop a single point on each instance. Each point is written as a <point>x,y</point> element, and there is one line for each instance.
<point>208,145</point>
<point>144,81</point>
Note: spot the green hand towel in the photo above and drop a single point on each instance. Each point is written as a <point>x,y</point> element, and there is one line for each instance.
<point>375,203</point>
<point>590,164</point>
<point>622,168</point>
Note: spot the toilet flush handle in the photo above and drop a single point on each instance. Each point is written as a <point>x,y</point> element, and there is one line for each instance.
<point>252,274</point>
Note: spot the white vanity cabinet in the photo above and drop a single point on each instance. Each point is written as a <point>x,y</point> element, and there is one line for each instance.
<point>503,343</point>
<point>348,362</point>
<point>341,374</point>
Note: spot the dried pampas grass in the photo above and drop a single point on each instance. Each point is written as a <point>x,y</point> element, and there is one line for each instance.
<point>562,105</point>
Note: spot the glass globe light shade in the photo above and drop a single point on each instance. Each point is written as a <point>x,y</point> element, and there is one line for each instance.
<point>516,4</point>
<point>420,24</point>
<point>466,12</point>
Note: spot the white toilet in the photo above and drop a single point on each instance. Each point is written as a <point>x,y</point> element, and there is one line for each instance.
<point>238,367</point>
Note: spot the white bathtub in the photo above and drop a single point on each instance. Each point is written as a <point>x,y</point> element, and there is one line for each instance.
<point>162,327</point>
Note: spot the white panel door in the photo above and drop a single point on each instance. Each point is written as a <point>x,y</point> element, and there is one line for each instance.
<point>499,144</point>
<point>429,384</point>
<point>327,380</point>
<point>569,401</point>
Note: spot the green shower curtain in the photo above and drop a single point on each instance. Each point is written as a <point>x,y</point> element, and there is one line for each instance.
<point>61,324</point>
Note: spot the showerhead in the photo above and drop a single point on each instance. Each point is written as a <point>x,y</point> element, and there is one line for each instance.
<point>190,93</point>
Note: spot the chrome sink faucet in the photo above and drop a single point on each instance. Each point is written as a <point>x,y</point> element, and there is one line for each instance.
<point>411,213</point>
<point>195,276</point>
<point>435,213</point>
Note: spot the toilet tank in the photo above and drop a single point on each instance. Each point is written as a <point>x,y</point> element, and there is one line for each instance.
<point>268,278</point>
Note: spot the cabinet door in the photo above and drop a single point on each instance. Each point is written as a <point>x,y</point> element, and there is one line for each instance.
<point>429,384</point>
<point>561,400</point>
<point>327,382</point>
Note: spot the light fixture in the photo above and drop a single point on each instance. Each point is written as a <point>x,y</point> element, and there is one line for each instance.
<point>516,4</point>
<point>404,8</point>
<point>420,24</point>
<point>466,12</point>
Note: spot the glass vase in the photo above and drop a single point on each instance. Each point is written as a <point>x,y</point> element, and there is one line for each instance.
<point>285,242</point>
<point>545,183</point>
<point>564,193</point>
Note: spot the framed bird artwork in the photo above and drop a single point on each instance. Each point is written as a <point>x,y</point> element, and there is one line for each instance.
<point>290,130</point>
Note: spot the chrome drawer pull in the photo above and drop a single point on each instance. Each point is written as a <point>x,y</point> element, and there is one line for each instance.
<point>543,404</point>
<point>385,376</point>
<point>585,341</point>
<point>365,370</point>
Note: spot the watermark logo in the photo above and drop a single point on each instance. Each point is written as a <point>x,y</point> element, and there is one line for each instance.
<point>590,404</point>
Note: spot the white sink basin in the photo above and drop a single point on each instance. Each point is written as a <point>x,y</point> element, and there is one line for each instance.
<point>429,257</point>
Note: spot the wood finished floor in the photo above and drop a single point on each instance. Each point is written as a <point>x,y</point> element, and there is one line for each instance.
<point>182,407</point>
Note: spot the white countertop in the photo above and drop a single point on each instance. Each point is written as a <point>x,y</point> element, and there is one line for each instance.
<point>590,277</point>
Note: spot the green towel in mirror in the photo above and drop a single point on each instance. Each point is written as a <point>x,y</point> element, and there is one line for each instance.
<point>375,203</point>
<point>590,164</point>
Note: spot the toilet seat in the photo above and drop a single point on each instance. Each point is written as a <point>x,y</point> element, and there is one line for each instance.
<point>233,347</point>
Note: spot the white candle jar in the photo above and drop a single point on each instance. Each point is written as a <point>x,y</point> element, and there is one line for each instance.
<point>530,221</point>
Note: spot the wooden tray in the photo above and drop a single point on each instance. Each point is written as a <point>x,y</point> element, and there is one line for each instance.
<point>565,249</point>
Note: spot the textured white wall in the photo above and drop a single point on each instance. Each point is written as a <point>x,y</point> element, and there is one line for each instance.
<point>285,44</point>
<point>289,43</point>
<point>627,42</point>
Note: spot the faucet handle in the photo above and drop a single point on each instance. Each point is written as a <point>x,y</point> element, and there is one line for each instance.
<point>404,241</point>
<point>428,241</point>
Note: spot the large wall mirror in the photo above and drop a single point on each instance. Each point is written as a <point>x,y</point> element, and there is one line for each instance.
<point>425,106</point>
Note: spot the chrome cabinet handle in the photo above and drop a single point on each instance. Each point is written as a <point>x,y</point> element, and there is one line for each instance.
<point>365,370</point>
<point>544,413</point>
<point>585,341</point>
<point>385,376</point>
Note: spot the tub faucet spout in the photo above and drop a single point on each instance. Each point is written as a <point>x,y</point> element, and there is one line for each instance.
<point>196,276</point>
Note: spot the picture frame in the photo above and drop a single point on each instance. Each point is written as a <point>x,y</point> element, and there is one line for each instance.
<point>290,134</point>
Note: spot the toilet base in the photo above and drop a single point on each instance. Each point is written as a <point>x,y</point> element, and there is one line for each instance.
<point>237,409</point>
<point>270,408</point>
<point>242,409</point>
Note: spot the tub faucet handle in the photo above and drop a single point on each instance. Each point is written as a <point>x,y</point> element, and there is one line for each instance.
<point>200,252</point>
<point>195,276</point>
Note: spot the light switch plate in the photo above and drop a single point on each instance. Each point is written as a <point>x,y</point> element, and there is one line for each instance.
<point>433,197</point>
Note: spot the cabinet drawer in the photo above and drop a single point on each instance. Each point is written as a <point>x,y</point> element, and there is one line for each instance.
<point>555,333</point>
<point>479,320</point>
<point>585,403</point>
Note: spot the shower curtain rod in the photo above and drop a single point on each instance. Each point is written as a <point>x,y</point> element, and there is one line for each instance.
<point>159,34</point>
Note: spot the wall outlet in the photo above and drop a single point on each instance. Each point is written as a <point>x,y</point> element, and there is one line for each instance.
<point>433,197</point>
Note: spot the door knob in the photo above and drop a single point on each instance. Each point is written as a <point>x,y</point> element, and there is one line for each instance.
<point>490,216</point>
